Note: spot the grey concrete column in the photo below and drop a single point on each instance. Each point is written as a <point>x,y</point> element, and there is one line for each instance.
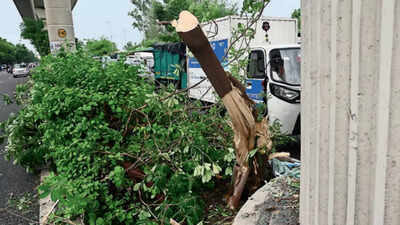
<point>350,112</point>
<point>59,24</point>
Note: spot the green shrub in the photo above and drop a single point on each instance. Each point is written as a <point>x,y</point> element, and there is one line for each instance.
<point>91,123</point>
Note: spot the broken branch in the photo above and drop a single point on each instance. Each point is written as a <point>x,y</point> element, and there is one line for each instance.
<point>248,133</point>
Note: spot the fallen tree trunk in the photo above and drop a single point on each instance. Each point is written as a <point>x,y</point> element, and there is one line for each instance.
<point>249,133</point>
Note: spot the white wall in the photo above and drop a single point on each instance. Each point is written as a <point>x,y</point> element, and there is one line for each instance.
<point>350,112</point>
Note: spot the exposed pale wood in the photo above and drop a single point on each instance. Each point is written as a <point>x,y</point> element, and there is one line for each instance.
<point>186,22</point>
<point>173,222</point>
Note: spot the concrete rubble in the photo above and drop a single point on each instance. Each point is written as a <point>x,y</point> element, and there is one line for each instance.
<point>276,203</point>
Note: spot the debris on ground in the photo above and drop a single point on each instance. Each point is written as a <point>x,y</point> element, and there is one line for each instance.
<point>277,202</point>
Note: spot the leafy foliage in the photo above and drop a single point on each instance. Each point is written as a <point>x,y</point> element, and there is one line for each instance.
<point>122,151</point>
<point>22,54</point>
<point>100,47</point>
<point>147,12</point>
<point>7,52</point>
<point>241,36</point>
<point>34,31</point>
<point>296,14</point>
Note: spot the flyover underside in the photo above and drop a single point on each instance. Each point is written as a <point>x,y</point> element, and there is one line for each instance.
<point>25,8</point>
<point>33,8</point>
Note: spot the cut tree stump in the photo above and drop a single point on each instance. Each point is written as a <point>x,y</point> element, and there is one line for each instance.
<point>249,133</point>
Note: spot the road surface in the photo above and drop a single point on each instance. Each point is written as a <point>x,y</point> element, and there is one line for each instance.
<point>14,181</point>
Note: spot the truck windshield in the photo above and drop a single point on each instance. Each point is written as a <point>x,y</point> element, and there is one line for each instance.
<point>285,65</point>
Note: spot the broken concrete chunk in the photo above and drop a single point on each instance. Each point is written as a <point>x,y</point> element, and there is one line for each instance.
<point>276,203</point>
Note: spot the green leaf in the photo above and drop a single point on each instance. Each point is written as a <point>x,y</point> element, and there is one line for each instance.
<point>100,221</point>
<point>44,191</point>
<point>144,215</point>
<point>228,171</point>
<point>216,169</point>
<point>252,153</point>
<point>136,187</point>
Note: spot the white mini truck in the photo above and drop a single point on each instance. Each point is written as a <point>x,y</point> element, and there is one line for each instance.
<point>273,68</point>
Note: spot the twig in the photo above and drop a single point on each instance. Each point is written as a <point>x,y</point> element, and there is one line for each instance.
<point>209,30</point>
<point>66,220</point>
<point>201,98</point>
<point>127,123</point>
<point>17,215</point>
<point>122,153</point>
<point>147,206</point>
<point>163,22</point>
<point>175,93</point>
<point>134,165</point>
<point>46,217</point>
<point>248,25</point>
<point>194,108</point>
<point>129,120</point>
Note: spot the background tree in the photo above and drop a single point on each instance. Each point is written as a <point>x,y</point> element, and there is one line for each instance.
<point>23,54</point>
<point>7,52</point>
<point>100,47</point>
<point>34,31</point>
<point>141,15</point>
<point>130,46</point>
<point>148,12</point>
<point>296,14</point>
<point>10,53</point>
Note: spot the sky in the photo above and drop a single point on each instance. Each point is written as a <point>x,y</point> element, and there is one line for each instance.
<point>108,18</point>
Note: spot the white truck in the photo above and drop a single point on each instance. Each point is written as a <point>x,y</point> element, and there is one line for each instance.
<point>273,67</point>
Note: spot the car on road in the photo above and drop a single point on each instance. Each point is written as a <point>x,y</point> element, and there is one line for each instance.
<point>20,70</point>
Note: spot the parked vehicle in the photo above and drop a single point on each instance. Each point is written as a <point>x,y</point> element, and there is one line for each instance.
<point>274,37</point>
<point>114,57</point>
<point>142,58</point>
<point>170,64</point>
<point>20,70</point>
<point>277,70</point>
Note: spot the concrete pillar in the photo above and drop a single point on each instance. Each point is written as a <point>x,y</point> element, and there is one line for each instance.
<point>350,112</point>
<point>59,24</point>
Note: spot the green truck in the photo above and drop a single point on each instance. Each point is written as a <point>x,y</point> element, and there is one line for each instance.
<point>170,64</point>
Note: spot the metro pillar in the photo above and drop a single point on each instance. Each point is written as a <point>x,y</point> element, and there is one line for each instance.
<point>59,24</point>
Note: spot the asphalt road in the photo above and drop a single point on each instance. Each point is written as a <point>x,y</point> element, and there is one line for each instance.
<point>14,181</point>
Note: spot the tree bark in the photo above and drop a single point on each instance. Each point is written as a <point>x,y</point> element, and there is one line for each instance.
<point>248,132</point>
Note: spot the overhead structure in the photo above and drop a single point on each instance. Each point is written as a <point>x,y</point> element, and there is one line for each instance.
<point>34,9</point>
<point>57,15</point>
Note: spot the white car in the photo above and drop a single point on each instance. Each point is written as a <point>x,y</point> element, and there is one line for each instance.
<point>20,70</point>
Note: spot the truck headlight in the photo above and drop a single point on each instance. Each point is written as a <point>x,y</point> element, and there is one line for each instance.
<point>284,93</point>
